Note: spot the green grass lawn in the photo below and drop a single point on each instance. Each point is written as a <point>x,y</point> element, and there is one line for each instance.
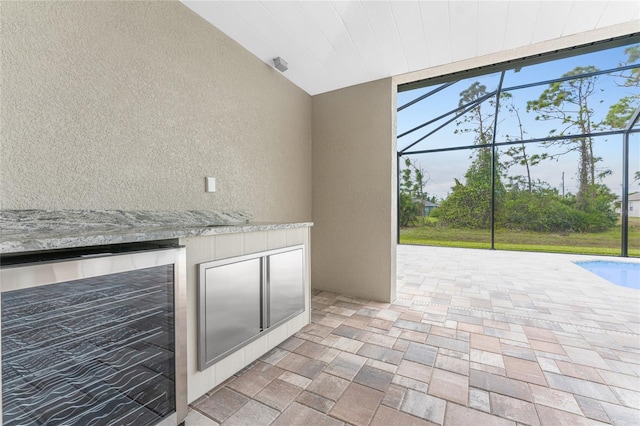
<point>605,243</point>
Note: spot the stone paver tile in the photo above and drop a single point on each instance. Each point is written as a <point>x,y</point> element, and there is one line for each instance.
<point>518,352</point>
<point>373,378</point>
<point>522,369</point>
<point>367,311</point>
<point>401,345</point>
<point>450,386</point>
<point>459,415</point>
<point>329,320</point>
<point>414,336</point>
<point>348,303</point>
<point>555,399</point>
<point>297,414</point>
<point>495,324</point>
<point>488,358</point>
<point>499,384</point>
<point>434,319</point>
<point>630,357</point>
<point>437,309</point>
<point>514,409</point>
<point>623,367</point>
<point>579,371</point>
<point>627,397</point>
<point>312,329</point>
<point>394,332</point>
<point>316,402</point>
<point>346,365</point>
<point>388,314</point>
<point>386,416</point>
<point>471,328</point>
<point>414,316</point>
<point>600,339</point>
<point>415,370</point>
<point>330,340</point>
<point>481,303</point>
<point>622,416</point>
<point>542,346</point>
<point>553,356</point>
<point>380,323</point>
<point>580,387</point>
<point>453,364</point>
<point>443,331</point>
<point>540,334</point>
<point>479,399</point>
<point>592,408</point>
<point>301,365</point>
<point>295,379</point>
<point>448,343</point>
<point>393,396</point>
<point>412,325</point>
<point>274,356</point>
<point>380,365</point>
<point>620,380</point>
<point>345,344</point>
<point>194,418</point>
<point>351,332</point>
<point>485,343</point>
<point>423,354</point>
<point>382,340</point>
<point>329,355</point>
<point>310,337</point>
<point>578,342</point>
<point>552,417</point>
<point>606,353</point>
<point>256,378</point>
<point>380,353</point>
<point>454,354</point>
<point>278,394</point>
<point>628,341</point>
<point>357,404</point>
<point>222,404</point>
<point>311,350</point>
<point>547,364</point>
<point>357,321</point>
<point>424,406</point>
<point>252,413</point>
<point>586,357</point>
<point>505,334</point>
<point>328,386</point>
<point>487,368</point>
<point>338,310</point>
<point>293,342</point>
<point>410,383</point>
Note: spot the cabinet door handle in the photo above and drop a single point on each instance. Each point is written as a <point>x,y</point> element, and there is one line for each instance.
<point>265,293</point>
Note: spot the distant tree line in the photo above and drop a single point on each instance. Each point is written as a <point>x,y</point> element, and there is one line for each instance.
<point>522,202</point>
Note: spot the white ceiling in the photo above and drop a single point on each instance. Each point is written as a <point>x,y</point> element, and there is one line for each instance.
<point>333,44</point>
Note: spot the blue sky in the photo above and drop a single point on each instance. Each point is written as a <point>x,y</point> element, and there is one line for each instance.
<point>444,167</point>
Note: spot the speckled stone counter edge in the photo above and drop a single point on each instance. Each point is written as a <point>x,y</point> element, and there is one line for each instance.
<point>34,230</point>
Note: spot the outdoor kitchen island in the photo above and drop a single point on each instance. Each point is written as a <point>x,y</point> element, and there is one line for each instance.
<point>206,237</point>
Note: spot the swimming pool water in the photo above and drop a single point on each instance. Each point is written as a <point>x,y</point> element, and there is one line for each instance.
<point>625,274</point>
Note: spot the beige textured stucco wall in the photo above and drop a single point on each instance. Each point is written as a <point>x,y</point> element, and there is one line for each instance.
<point>129,105</point>
<point>353,238</point>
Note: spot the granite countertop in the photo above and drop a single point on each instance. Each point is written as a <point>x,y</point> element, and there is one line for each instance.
<point>33,230</point>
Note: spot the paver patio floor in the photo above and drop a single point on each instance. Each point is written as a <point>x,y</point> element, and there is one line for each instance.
<point>474,337</point>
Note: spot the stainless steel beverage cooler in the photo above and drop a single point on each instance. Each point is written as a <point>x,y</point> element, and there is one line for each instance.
<point>94,336</point>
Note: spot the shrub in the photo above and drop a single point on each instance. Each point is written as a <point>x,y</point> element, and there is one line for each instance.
<point>545,211</point>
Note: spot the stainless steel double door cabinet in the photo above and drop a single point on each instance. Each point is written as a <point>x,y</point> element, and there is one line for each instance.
<point>240,298</point>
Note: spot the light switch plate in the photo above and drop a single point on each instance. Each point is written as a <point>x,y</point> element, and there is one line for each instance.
<point>210,184</point>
